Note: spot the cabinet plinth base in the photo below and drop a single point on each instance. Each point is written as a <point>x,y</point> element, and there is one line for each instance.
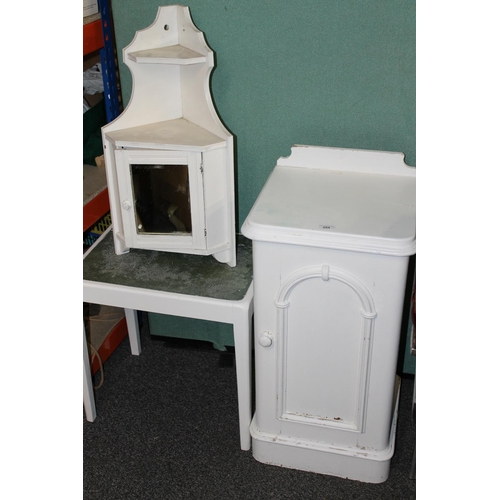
<point>367,466</point>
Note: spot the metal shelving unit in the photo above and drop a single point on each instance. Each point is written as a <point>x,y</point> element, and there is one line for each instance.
<point>98,36</point>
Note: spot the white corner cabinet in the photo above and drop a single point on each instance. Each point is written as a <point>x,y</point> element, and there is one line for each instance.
<point>169,159</point>
<point>332,233</point>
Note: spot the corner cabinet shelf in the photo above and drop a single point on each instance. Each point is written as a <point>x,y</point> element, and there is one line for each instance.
<point>170,124</point>
<point>179,134</point>
<point>173,54</point>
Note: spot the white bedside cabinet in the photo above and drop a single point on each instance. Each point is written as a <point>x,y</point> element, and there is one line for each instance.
<point>332,233</point>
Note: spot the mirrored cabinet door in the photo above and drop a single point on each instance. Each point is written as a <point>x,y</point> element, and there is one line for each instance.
<point>162,199</point>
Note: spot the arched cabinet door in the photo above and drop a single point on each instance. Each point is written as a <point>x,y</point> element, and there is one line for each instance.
<point>324,333</point>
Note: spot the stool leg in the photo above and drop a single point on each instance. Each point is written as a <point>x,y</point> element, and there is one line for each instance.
<point>243,353</point>
<point>133,331</point>
<point>88,390</point>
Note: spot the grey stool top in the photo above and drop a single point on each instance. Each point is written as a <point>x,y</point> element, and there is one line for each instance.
<point>197,275</point>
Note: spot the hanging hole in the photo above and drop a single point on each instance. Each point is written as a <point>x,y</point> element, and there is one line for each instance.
<point>165,27</point>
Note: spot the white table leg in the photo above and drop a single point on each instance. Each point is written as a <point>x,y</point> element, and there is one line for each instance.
<point>133,331</point>
<point>88,390</point>
<point>243,353</point>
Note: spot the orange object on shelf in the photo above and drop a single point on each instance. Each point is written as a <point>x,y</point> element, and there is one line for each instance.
<point>96,208</point>
<point>113,340</point>
<point>92,37</point>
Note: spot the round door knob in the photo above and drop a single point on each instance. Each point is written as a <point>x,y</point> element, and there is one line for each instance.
<point>127,205</point>
<point>266,339</point>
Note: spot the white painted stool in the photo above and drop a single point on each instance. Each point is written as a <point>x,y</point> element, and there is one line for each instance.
<point>190,286</point>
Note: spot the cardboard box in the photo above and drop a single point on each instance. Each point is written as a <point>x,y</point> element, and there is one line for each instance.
<point>90,7</point>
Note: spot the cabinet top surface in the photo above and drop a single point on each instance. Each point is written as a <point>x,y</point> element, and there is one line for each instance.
<point>356,211</point>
